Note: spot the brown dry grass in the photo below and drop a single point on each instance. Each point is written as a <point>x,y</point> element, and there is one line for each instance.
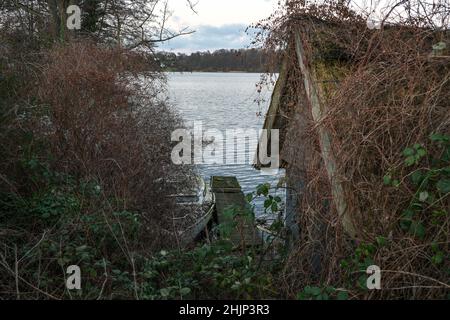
<point>383,94</point>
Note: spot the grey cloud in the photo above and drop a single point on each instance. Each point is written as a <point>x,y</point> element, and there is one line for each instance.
<point>208,37</point>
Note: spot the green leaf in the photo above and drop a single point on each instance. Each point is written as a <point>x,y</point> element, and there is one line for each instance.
<point>230,213</point>
<point>396,183</point>
<point>444,186</point>
<point>446,155</point>
<point>405,224</point>
<point>301,296</point>
<point>277,226</point>
<point>418,177</point>
<point>267,204</point>
<point>362,282</point>
<point>417,205</point>
<point>410,161</point>
<point>438,258</point>
<point>435,247</point>
<point>417,229</point>
<point>316,291</point>
<point>408,152</point>
<point>165,292</point>
<point>185,291</point>
<point>307,290</point>
<point>330,289</point>
<point>408,214</point>
<point>274,207</point>
<point>342,295</point>
<point>439,213</point>
<point>381,241</point>
<point>323,296</point>
<point>263,189</point>
<point>439,138</point>
<point>81,248</point>
<point>46,215</point>
<point>421,153</point>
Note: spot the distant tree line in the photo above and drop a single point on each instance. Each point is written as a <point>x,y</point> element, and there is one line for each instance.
<point>242,60</point>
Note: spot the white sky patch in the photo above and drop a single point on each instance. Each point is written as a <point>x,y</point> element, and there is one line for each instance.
<point>220,12</point>
<point>219,24</point>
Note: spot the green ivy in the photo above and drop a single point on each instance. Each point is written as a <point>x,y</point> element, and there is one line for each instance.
<point>322,293</point>
<point>428,175</point>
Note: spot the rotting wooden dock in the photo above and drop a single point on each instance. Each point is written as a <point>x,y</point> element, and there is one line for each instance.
<point>229,196</point>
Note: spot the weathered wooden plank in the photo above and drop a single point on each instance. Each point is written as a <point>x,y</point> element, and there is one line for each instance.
<point>229,196</point>
<point>312,93</point>
<point>273,118</point>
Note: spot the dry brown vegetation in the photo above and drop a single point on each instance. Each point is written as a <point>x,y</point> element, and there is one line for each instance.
<point>385,90</point>
<point>107,123</point>
<point>85,169</point>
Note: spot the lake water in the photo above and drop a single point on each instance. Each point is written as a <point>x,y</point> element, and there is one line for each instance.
<point>224,101</point>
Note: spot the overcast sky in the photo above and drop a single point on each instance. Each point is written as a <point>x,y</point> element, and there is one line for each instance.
<point>218,23</point>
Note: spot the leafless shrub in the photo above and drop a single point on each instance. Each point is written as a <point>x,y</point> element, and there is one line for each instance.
<point>107,123</point>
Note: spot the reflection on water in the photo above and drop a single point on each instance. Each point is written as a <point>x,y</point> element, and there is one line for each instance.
<point>224,101</point>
